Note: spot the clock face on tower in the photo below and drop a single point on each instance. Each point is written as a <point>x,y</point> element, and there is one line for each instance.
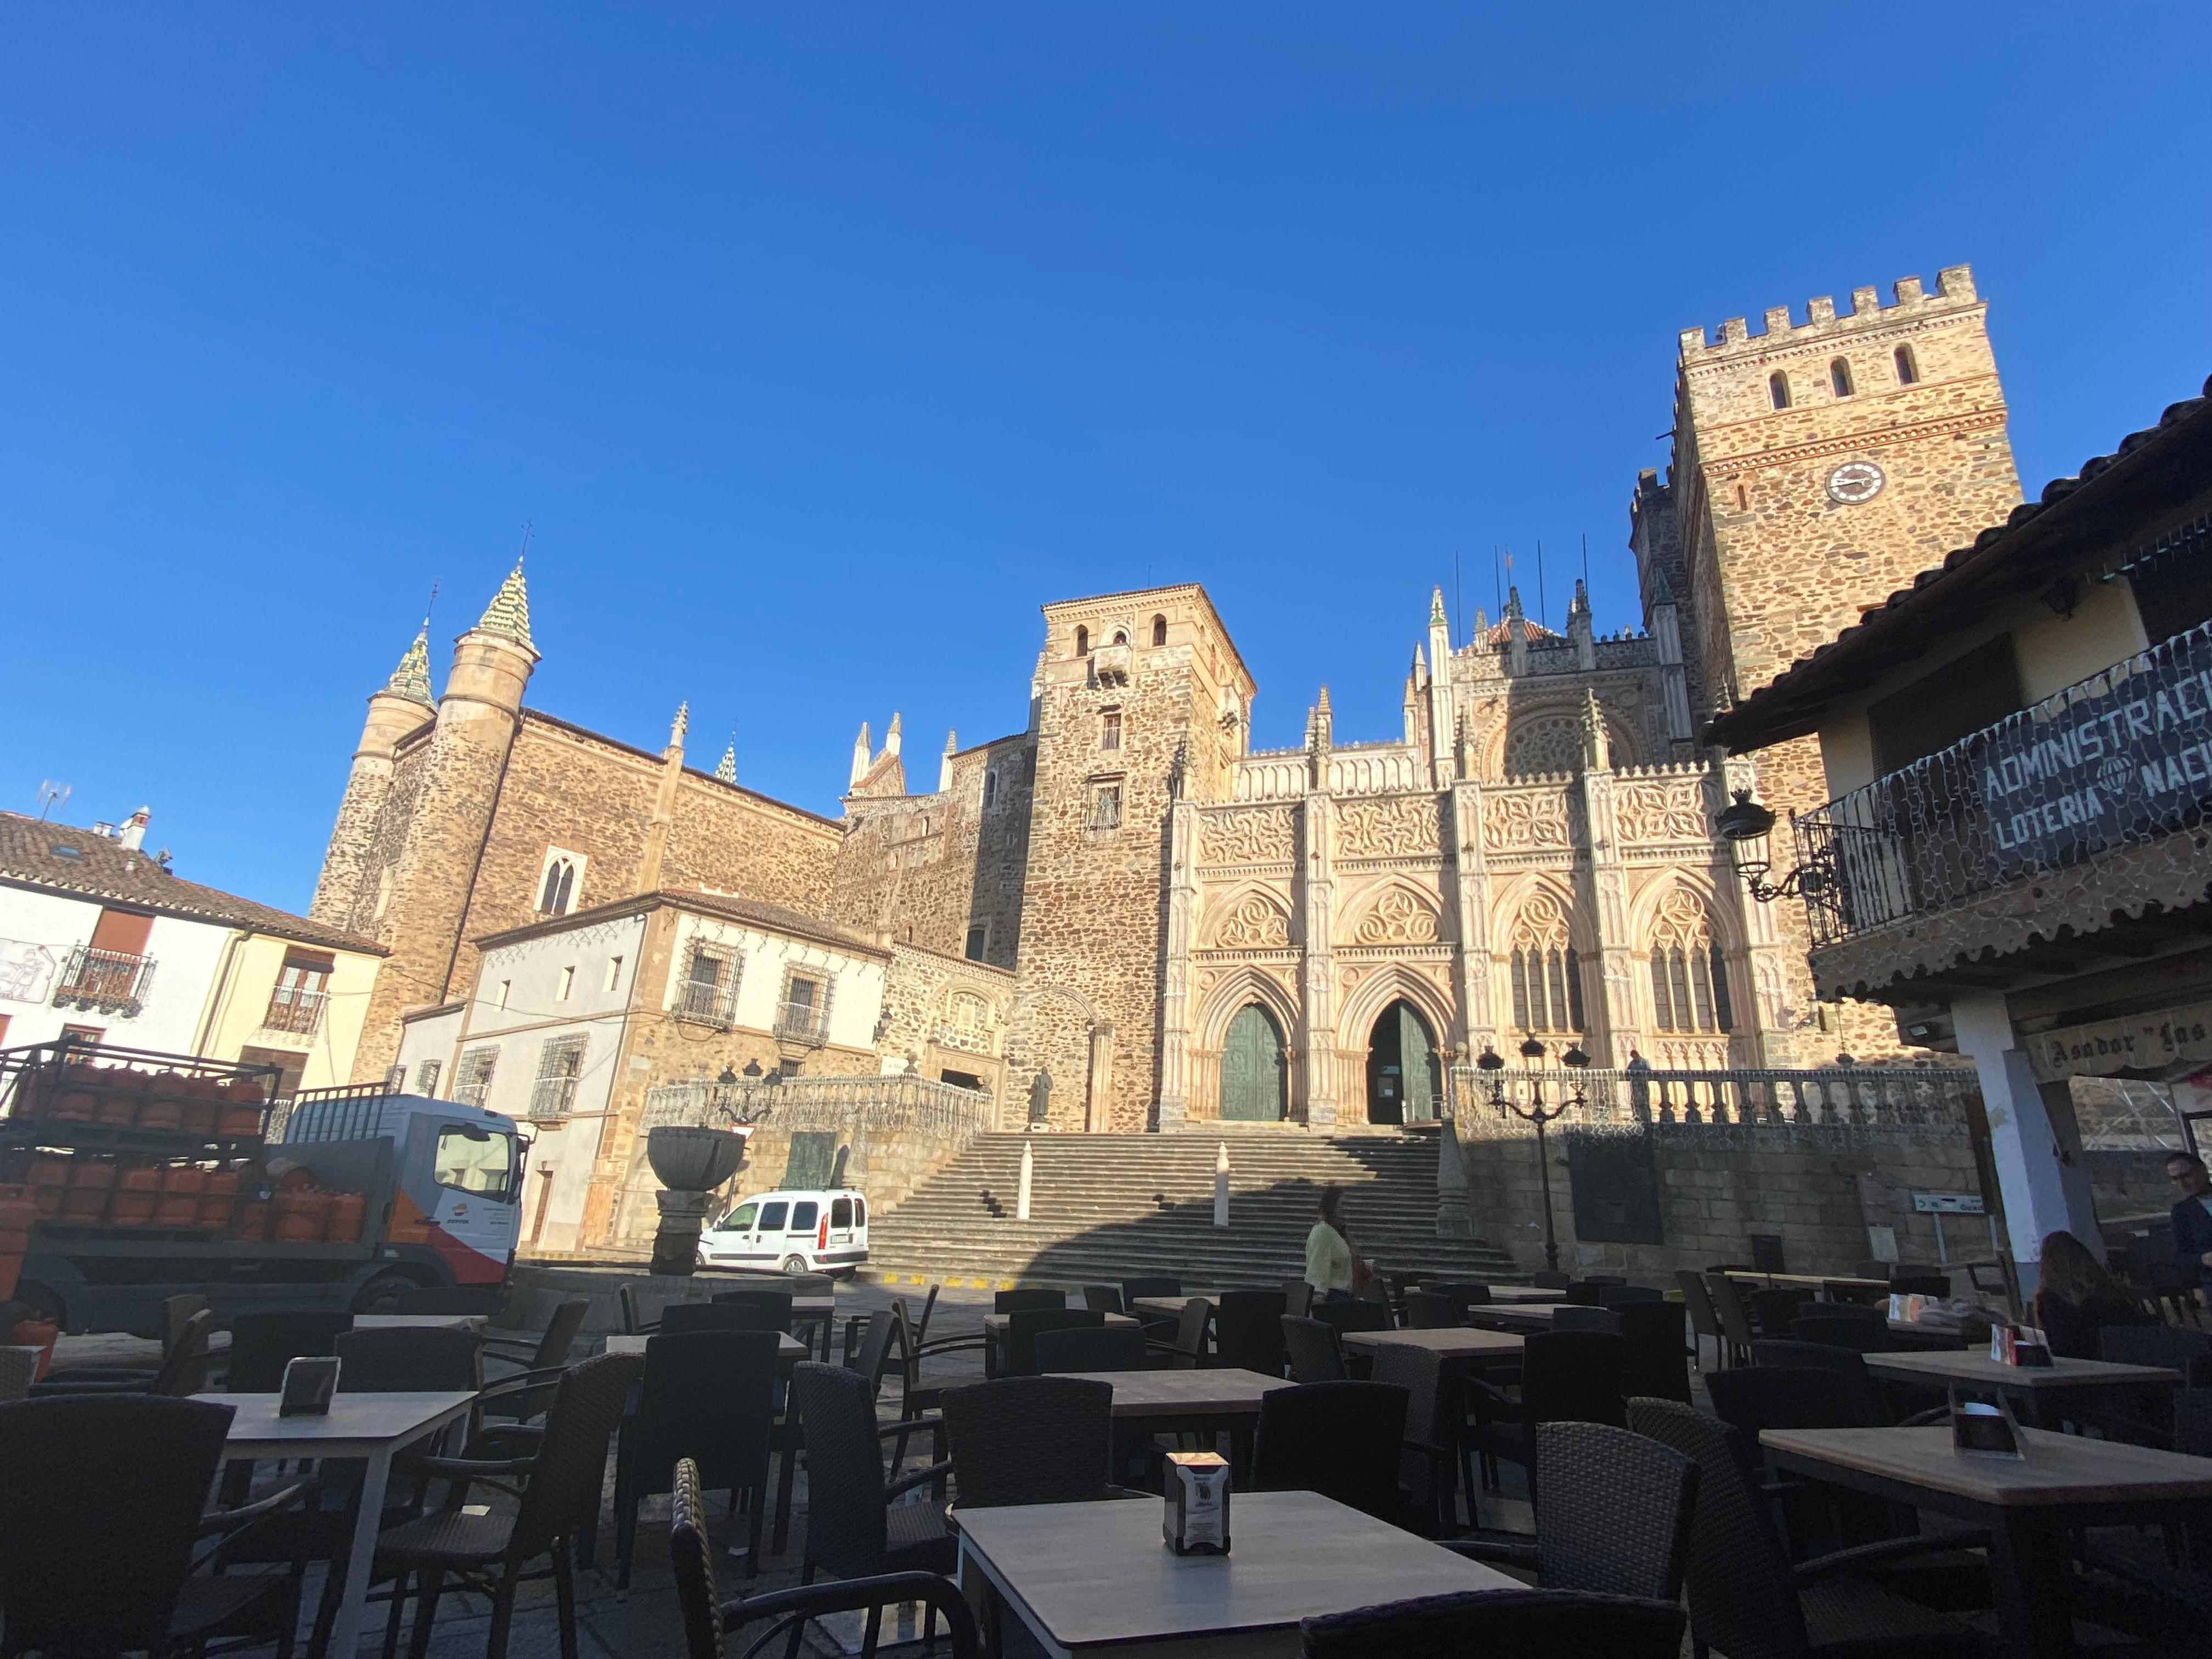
<point>1854,482</point>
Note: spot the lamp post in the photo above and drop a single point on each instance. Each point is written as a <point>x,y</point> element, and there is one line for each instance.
<point>1748,828</point>
<point>1538,1114</point>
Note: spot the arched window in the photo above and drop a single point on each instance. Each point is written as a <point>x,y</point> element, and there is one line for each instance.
<point>1082,640</point>
<point>1908,369</point>
<point>1689,977</point>
<point>1777,387</point>
<point>1121,636</point>
<point>1839,377</point>
<point>559,887</point>
<point>1546,974</point>
<point>1160,630</point>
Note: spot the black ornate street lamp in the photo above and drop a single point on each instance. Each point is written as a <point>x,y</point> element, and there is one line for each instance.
<point>1748,828</point>
<point>1539,1115</point>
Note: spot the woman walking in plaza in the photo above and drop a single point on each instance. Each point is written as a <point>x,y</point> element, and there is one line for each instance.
<point>1334,1266</point>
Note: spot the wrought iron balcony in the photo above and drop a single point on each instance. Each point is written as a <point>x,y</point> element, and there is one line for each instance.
<point>706,1001</point>
<point>2118,761</point>
<point>112,982</point>
<point>295,1010</point>
<point>802,1022</point>
<point>551,1098</point>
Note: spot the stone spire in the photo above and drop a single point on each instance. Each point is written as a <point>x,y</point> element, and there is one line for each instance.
<point>862,754</point>
<point>1436,607</point>
<point>944,762</point>
<point>1580,605</point>
<point>726,768</point>
<point>680,725</point>
<point>508,613</point>
<point>1597,748</point>
<point>891,736</point>
<point>411,679</point>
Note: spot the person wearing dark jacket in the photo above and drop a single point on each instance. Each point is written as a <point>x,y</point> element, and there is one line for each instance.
<point>2076,1298</point>
<point>2192,1217</point>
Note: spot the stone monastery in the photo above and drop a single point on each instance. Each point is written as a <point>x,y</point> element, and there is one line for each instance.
<point>1123,917</point>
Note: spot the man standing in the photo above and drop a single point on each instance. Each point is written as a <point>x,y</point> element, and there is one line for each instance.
<point>2192,1217</point>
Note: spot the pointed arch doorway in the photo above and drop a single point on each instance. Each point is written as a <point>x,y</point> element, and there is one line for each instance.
<point>1255,1081</point>
<point>1403,1075</point>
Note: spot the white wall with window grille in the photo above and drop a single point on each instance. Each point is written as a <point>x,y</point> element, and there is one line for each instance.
<point>559,1070</point>
<point>537,970</point>
<point>761,968</point>
<point>473,1073</point>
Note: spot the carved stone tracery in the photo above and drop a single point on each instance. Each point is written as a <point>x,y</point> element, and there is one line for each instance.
<point>1399,916</point>
<point>1400,827</point>
<point>1524,821</point>
<point>1254,835</point>
<point>1254,923</point>
<point>1663,812</point>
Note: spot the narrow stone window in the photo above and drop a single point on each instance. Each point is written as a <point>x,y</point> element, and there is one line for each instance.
<point>1742,499</point>
<point>1121,636</point>
<point>1839,377</point>
<point>1160,630</point>
<point>1908,369</point>
<point>979,939</point>
<point>1777,388</point>
<point>1082,640</point>
<point>614,973</point>
<point>1109,729</point>
<point>567,984</point>
<point>990,788</point>
<point>1106,807</point>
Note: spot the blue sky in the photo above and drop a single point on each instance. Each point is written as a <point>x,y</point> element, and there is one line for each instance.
<point>821,344</point>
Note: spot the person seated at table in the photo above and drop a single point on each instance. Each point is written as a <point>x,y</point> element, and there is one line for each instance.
<point>1334,1266</point>
<point>2075,1297</point>
<point>2192,1217</point>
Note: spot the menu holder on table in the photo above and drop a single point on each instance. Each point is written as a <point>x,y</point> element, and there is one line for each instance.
<point>1982,1429</point>
<point>309,1383</point>
<point>1196,1522</point>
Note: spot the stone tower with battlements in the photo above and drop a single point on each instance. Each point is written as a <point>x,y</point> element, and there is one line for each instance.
<point>1819,466</point>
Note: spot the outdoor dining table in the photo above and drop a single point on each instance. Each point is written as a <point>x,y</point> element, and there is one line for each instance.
<point>2045,1389</point>
<point>1085,1578</point>
<point>1170,1306</point>
<point>1816,1281</point>
<point>368,1426</point>
<point>1201,1400</point>
<point>996,1326</point>
<point>789,1349</point>
<point>1461,1342</point>
<point>1511,1318</point>
<point>2028,1504</point>
<point>418,1322</point>
<point>1928,1338</point>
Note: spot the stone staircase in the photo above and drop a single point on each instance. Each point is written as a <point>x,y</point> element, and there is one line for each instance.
<point>1106,1207</point>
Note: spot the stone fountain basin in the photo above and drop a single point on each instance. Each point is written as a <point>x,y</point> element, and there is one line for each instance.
<point>691,1158</point>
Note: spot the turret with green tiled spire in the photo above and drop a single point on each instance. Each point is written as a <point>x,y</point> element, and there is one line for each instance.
<point>726,768</point>
<point>411,679</point>
<point>508,613</point>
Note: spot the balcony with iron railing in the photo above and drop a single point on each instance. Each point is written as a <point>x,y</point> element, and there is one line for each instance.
<point>802,1022</point>
<point>552,1098</point>
<point>2098,774</point>
<point>109,981</point>
<point>708,1002</point>
<point>295,1009</point>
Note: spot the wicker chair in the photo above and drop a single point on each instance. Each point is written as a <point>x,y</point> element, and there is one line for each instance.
<point>99,1510</point>
<point>1357,1315</point>
<point>1188,1349</point>
<point>1103,1298</point>
<point>709,1620</point>
<point>564,1470</point>
<point>1006,1302</point>
<point>1427,1310</point>
<point>1342,1440</point>
<point>1614,1517</point>
<point>1538,1623</point>
<point>1614,1296</point>
<point>409,1359</point>
<point>183,1372</point>
<point>1247,1331</point>
<point>918,1394</point>
<point>1772,1310</point>
<point>1566,1377</point>
<point>1735,1320</point>
<point>775,1306</point>
<point>1704,1322</point>
<point>1462,1296</point>
<point>263,1343</point>
<point>854,1528</point>
<point>693,1318</point>
<point>710,1397</point>
<point>1746,1598</point>
<point>551,1351</point>
<point>1315,1355</point>
<point>1030,1440</point>
<point>1091,1348</point>
<point>1551,1278</point>
<point>1298,1298</point>
<point>1432,1459</point>
<point>1657,1359</point>
<point>1023,1329</point>
<point>1155,1285</point>
<point>1573,1316</point>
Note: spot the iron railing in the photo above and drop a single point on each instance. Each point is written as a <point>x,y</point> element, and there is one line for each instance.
<point>2121,759</point>
<point>802,1022</point>
<point>708,1001</point>
<point>293,1009</point>
<point>113,981</point>
<point>1859,1097</point>
<point>905,1101</point>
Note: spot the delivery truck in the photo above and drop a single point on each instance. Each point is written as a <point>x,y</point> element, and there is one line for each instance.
<point>149,1176</point>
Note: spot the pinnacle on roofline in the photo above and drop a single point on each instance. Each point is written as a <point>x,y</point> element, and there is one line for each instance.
<point>726,768</point>
<point>1436,607</point>
<point>508,613</point>
<point>411,679</point>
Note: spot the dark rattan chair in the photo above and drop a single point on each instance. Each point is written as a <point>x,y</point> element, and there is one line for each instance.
<point>1006,1302</point>
<point>1022,1329</point>
<point>1734,1317</point>
<point>551,1351</point>
<point>709,1396</point>
<point>1091,1348</point>
<point>773,1304</point>
<point>709,1620</point>
<point>1430,1462</point>
<point>1537,1624</point>
<point>183,1372</point>
<point>1247,1331</point>
<point>1298,1298</point>
<point>409,1359</point>
<point>918,1395</point>
<point>1462,1296</point>
<point>1570,1377</point>
<point>263,1343</point>
<point>1550,1278</point>
<point>1572,1316</point>
<point>1866,1331</point>
<point>564,1471</point>
<point>1704,1321</point>
<point>1187,1350</point>
<point>1614,1296</point>
<point>1155,1284</point>
<point>1103,1298</point>
<point>1772,1310</point>
<point>1314,1354</point>
<point>1342,1440</point>
<point>1746,1598</point>
<point>854,1528</point>
<point>1029,1440</point>
<point>1656,1360</point>
<point>1614,1518</point>
<point>1584,1293</point>
<point>100,1501</point>
<point>689,1318</point>
<point>1427,1310</point>
<point>1358,1315</point>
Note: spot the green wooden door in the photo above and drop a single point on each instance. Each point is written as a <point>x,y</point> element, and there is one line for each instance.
<point>1252,1079</point>
<point>1417,1062</point>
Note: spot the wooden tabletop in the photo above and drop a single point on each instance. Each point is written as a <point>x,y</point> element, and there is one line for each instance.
<point>1199,1392</point>
<point>357,1425</point>
<point>1930,1336</point>
<point>1526,1293</point>
<point>1462,1344</point>
<point>787,1348</point>
<point>1085,1576</point>
<point>2059,1468</point>
<point>1816,1279</point>
<point>999,1324</point>
<point>1968,1366</point>
<point>1521,1318</point>
<point>1170,1306</point>
<point>423,1322</point>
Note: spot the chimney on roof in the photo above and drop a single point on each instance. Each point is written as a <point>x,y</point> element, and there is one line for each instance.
<point>133,833</point>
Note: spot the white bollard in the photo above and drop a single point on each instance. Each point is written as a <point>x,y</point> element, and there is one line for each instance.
<point>1221,1186</point>
<point>1029,1169</point>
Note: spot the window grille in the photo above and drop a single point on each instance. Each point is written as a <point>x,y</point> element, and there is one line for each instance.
<point>472,1076</point>
<point>560,1064</point>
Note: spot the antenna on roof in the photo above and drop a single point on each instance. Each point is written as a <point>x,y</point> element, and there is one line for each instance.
<point>528,524</point>
<point>51,795</point>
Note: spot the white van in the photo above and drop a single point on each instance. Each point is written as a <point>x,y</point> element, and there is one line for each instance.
<point>799,1232</point>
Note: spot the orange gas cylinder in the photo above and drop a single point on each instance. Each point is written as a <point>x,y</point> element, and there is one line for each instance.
<point>347,1210</point>
<point>38,1334</point>
<point>215,1211</point>
<point>176,1210</point>
<point>253,1222</point>
<point>130,1208</point>
<point>184,1178</point>
<point>17,1214</point>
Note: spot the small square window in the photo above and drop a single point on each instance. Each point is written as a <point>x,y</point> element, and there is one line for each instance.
<point>1105,808</point>
<point>614,973</point>
<point>1109,729</point>
<point>979,940</point>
